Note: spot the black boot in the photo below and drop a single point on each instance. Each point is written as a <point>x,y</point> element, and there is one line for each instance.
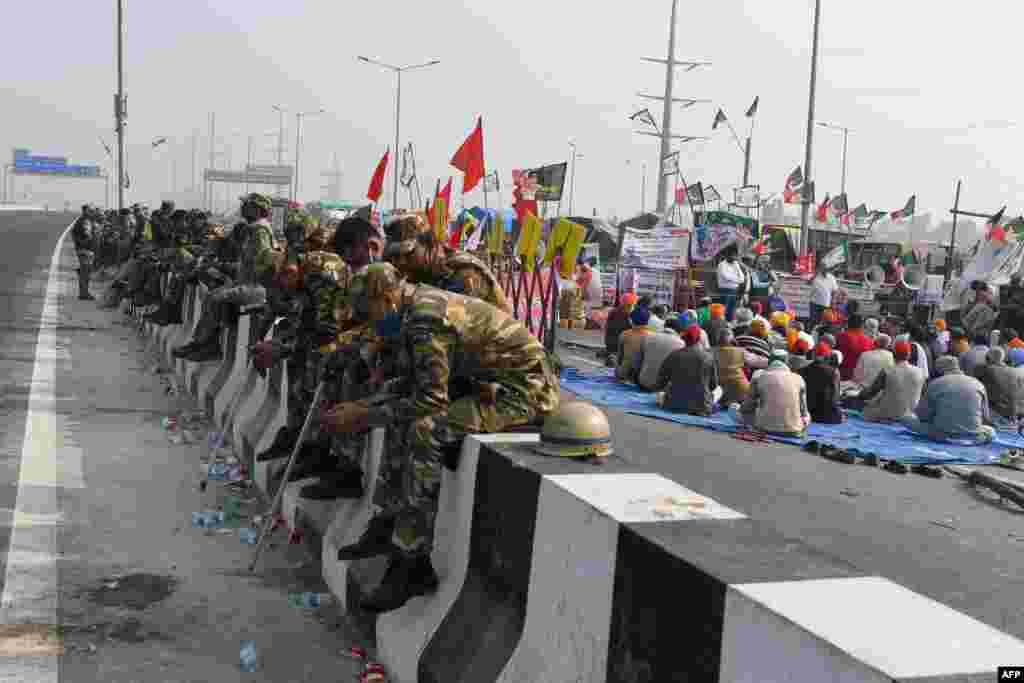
<point>186,349</point>
<point>407,577</point>
<point>283,444</point>
<point>83,285</point>
<point>338,484</point>
<point>376,540</point>
<point>209,351</point>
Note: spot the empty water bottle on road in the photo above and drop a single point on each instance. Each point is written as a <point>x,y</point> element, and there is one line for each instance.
<point>309,600</point>
<point>248,657</point>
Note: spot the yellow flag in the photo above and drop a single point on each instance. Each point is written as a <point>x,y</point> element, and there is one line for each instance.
<point>559,234</point>
<point>529,236</point>
<point>440,219</point>
<point>571,249</point>
<point>496,239</point>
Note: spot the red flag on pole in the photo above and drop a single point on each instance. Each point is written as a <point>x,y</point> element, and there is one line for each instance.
<point>377,182</point>
<point>822,213</point>
<point>470,157</point>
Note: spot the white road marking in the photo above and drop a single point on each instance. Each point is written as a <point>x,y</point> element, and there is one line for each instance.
<point>48,462</point>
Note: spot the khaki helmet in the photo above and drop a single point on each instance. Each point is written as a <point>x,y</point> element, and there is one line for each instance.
<point>323,262</point>
<point>576,430</point>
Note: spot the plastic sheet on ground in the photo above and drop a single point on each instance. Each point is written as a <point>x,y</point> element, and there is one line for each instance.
<point>891,441</point>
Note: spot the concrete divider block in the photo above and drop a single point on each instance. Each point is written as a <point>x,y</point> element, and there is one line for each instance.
<point>404,635</point>
<point>263,428</point>
<point>348,522</point>
<point>208,373</point>
<point>228,338</point>
<point>183,332</point>
<point>197,310</point>
<point>246,405</point>
<point>238,375</point>
<point>576,572</point>
<point>854,629</point>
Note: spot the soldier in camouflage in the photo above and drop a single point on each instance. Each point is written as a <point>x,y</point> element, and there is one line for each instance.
<point>255,273</point>
<point>421,258</point>
<point>448,336</point>
<point>84,235</point>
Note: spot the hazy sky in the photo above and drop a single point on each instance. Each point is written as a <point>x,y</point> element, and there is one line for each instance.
<point>927,100</point>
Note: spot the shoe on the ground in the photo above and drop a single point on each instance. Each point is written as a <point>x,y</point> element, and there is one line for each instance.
<point>927,471</point>
<point>870,459</point>
<point>205,353</point>
<point>406,577</point>
<point>282,446</point>
<point>376,540</point>
<point>185,349</point>
<point>86,297</point>
<point>812,447</point>
<point>312,466</point>
<point>336,485</point>
<point>895,467</point>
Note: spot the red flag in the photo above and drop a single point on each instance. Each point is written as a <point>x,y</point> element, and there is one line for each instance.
<point>681,194</point>
<point>377,182</point>
<point>822,213</point>
<point>470,157</point>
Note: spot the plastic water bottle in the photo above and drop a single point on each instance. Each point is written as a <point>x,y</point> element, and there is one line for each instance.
<point>218,471</point>
<point>309,600</point>
<point>248,657</point>
<point>248,536</point>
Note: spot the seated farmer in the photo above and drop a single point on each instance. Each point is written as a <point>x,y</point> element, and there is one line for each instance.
<point>975,356</point>
<point>255,273</point>
<point>954,406</point>
<point>450,337</point>
<point>654,349</point>
<point>618,322</point>
<point>630,344</point>
<point>716,323</point>
<point>691,377</point>
<point>822,380</point>
<point>778,400</point>
<point>756,340</point>
<point>896,390</point>
<point>874,361</point>
<point>732,362</point>
<point>1005,385</point>
<point>853,342</point>
<point>958,343</point>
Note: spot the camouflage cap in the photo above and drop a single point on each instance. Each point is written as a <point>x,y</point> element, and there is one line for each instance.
<point>399,248</point>
<point>370,283</point>
<point>299,216</point>
<point>258,200</point>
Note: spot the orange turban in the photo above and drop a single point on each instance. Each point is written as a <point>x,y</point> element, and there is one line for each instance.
<point>717,311</point>
<point>628,299</point>
<point>829,315</point>
<point>1016,343</point>
<point>940,324</point>
<point>758,328</point>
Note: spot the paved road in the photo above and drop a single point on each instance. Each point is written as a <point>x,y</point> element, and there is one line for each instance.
<point>884,524</point>
<point>102,560</point>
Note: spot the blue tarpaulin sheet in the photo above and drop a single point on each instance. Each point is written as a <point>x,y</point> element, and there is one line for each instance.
<point>891,441</point>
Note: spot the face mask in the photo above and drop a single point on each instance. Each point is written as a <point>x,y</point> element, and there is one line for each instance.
<point>390,326</point>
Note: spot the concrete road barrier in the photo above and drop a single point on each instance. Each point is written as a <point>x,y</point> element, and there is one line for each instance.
<point>190,317</point>
<point>256,434</point>
<point>237,377</point>
<point>228,345</point>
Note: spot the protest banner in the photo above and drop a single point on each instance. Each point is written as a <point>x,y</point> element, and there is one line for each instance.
<point>796,292</point>
<point>663,247</point>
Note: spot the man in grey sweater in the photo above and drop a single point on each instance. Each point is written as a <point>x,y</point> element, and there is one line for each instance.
<point>1005,385</point>
<point>954,406</point>
<point>655,349</point>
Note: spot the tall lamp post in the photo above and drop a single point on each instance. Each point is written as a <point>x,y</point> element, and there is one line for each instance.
<point>572,181</point>
<point>298,145</point>
<point>119,106</point>
<point>846,133</point>
<point>398,70</point>
<point>806,199</point>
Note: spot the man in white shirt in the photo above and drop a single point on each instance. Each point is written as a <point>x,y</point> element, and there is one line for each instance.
<point>731,276</point>
<point>822,286</point>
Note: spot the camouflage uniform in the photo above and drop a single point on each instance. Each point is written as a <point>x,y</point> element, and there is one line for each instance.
<point>255,270</point>
<point>84,235</point>
<point>450,337</point>
<point>456,271</point>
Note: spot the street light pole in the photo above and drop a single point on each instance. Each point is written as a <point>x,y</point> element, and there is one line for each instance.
<point>808,183</point>
<point>846,134</point>
<point>120,108</point>
<point>572,180</point>
<point>298,146</point>
<point>398,111</point>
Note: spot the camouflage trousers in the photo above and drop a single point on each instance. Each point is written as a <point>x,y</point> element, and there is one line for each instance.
<point>220,302</point>
<point>409,482</point>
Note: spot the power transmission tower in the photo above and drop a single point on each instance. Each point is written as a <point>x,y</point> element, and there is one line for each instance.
<point>668,101</point>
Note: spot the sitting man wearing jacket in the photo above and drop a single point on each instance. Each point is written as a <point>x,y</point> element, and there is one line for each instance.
<point>778,400</point>
<point>630,344</point>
